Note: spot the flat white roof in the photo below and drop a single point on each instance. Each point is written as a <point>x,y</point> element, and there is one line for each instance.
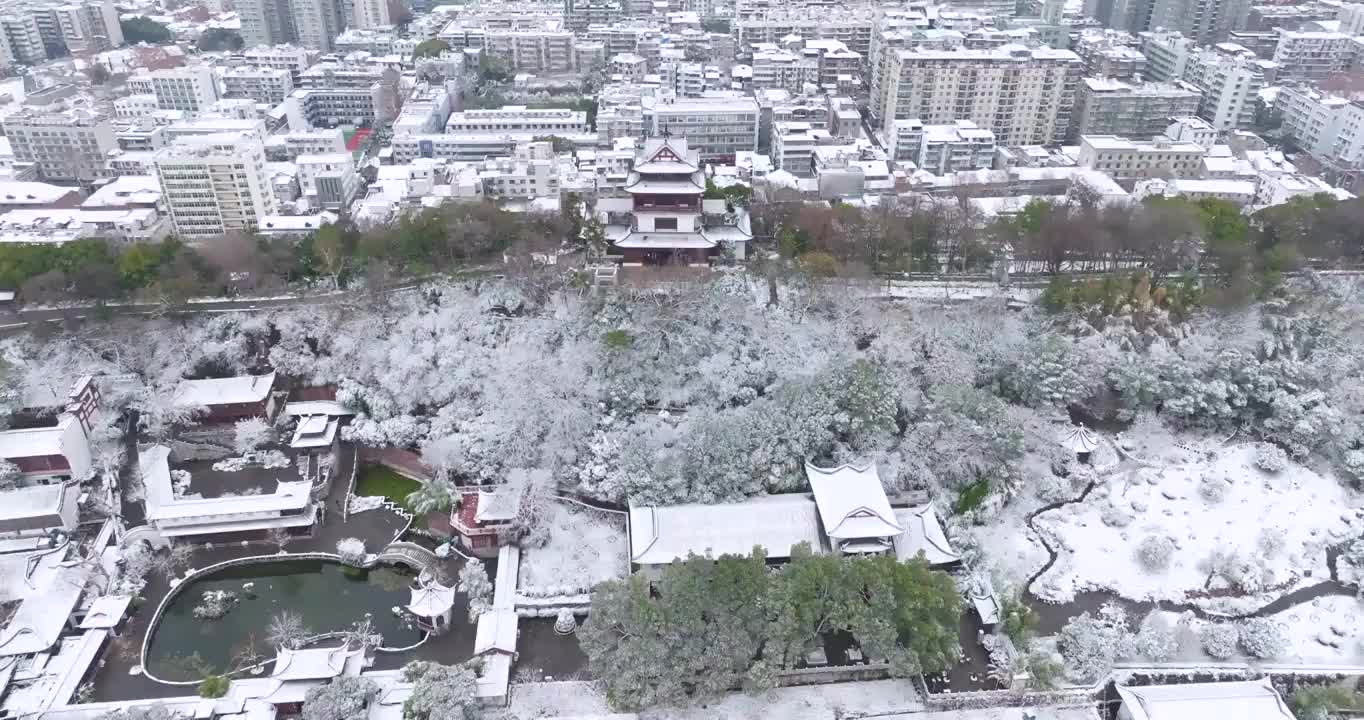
<point>34,442</point>
<point>660,535</point>
<point>38,623</point>
<point>224,391</point>
<point>496,631</point>
<point>106,612</point>
<point>1243,700</point>
<point>34,501</point>
<point>852,502</point>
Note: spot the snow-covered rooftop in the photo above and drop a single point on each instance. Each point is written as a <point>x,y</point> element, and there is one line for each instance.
<point>224,391</point>
<point>852,502</point>
<point>496,506</point>
<point>323,663</point>
<point>1243,700</point>
<point>35,501</point>
<point>1078,439</point>
<point>33,442</point>
<point>431,600</point>
<point>660,535</point>
<point>37,624</point>
<point>314,431</point>
<point>106,612</point>
<point>496,632</point>
<point>163,505</point>
<point>923,533</point>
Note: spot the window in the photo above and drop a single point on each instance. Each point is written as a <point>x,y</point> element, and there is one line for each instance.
<point>665,223</point>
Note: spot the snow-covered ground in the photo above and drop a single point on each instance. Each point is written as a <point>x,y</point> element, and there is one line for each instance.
<point>814,702</point>
<point>1230,529</point>
<point>585,547</point>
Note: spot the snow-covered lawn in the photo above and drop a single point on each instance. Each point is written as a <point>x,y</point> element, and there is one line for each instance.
<point>585,547</point>
<point>1214,524</point>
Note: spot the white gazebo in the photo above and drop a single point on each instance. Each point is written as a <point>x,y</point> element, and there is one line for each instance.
<point>1079,440</point>
<point>431,604</point>
<point>853,508</point>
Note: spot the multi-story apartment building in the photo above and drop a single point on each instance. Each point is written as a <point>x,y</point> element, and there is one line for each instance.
<point>287,146</point>
<point>214,184</point>
<point>852,26</point>
<point>1205,21</point>
<point>1104,106</point>
<point>286,57</point>
<point>332,75</point>
<point>942,149</point>
<point>579,15</point>
<point>70,145</point>
<point>1230,82</point>
<point>368,13</point>
<point>532,171</point>
<point>793,146</point>
<point>1312,56</point>
<point>313,108</point>
<point>262,84</point>
<point>1024,95</point>
<point>1329,127</point>
<point>1109,53</point>
<point>328,180</point>
<point>717,127</point>
<point>317,22</point>
<point>88,26</point>
<point>135,106</point>
<point>460,148</point>
<point>266,22</point>
<point>191,88</point>
<point>1351,18</point>
<point>1167,54</point>
<point>23,41</point>
<point>534,50</point>
<point>1126,159</point>
<point>517,119</point>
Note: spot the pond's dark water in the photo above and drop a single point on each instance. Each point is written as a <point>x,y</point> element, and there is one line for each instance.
<point>328,596</point>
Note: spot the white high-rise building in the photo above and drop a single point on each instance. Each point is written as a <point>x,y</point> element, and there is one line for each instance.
<point>66,146</point>
<point>318,22</point>
<point>1312,56</point>
<point>262,84</point>
<point>1351,17</point>
<point>1204,21</point>
<point>191,88</point>
<point>1024,95</point>
<point>1328,127</point>
<point>1167,54</point>
<point>369,13</point>
<point>717,127</point>
<point>215,184</point>
<point>24,41</point>
<point>1230,83</point>
<point>266,22</point>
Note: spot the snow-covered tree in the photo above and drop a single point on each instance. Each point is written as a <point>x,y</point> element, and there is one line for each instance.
<point>473,582</point>
<point>435,495</point>
<point>351,550</point>
<point>9,475</point>
<point>286,630</point>
<point>1219,639</point>
<point>1154,553</point>
<point>1263,638</point>
<point>344,698</point>
<point>1157,639</point>
<point>1091,644</point>
<point>251,434</point>
<point>155,711</point>
<point>440,692</point>
<point>1270,458</point>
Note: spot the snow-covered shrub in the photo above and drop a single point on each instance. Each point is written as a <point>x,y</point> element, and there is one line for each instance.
<point>1005,660</point>
<point>1270,458</point>
<point>251,433</point>
<point>1247,573</point>
<point>1271,541</point>
<point>1155,552</point>
<point>1157,639</point>
<point>1263,638</point>
<point>351,550</point>
<point>214,604</point>
<point>1091,644</point>
<point>1213,490</point>
<point>474,582</point>
<point>1353,463</point>
<point>1219,640</point>
<point>9,475</point>
<point>345,698</point>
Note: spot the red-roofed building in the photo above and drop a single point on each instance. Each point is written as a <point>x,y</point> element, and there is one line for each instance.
<point>481,518</point>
